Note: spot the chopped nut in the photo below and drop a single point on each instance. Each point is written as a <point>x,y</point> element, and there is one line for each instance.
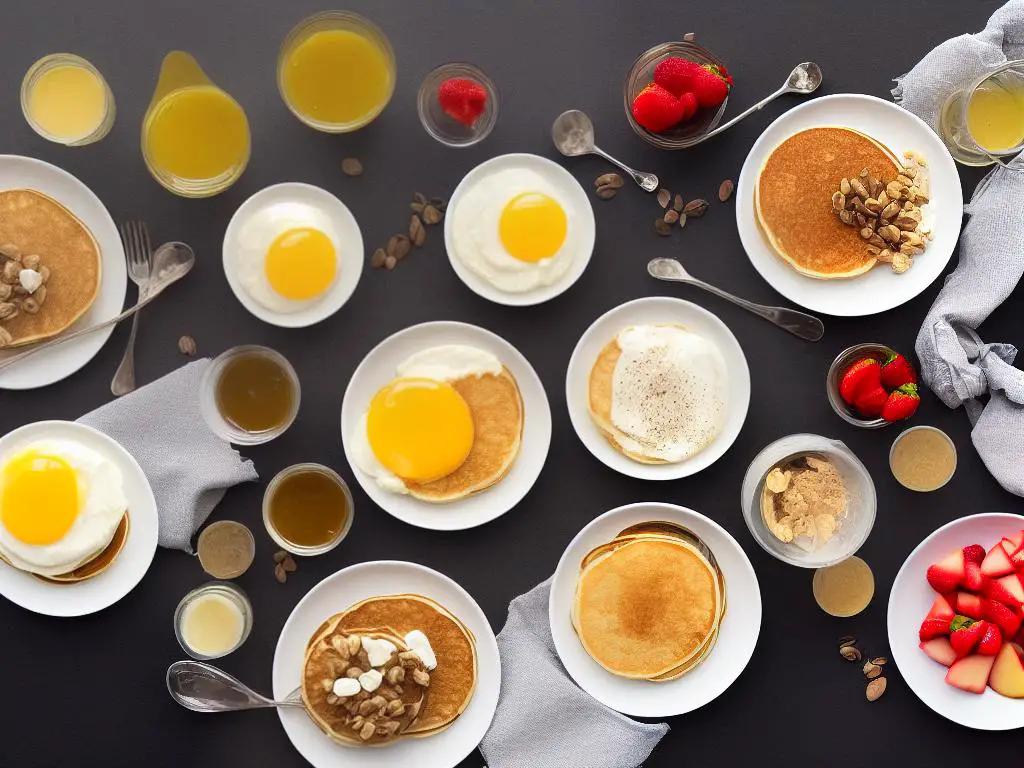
<point>844,186</point>
<point>350,166</point>
<point>607,192</point>
<point>725,190</point>
<point>394,708</point>
<point>850,653</point>
<point>662,227</point>
<point>901,263</point>
<point>10,251</point>
<point>696,208</point>
<point>289,564</point>
<point>885,256</point>
<point>877,241</point>
<point>677,204</point>
<point>332,699</point>
<point>875,689</point>
<point>417,233</point>
<point>613,180</point>
<point>420,677</point>
<point>889,233</point>
<point>390,262</point>
<point>871,670</point>
<point>859,189</point>
<point>186,344</point>
<point>847,218</point>
<point>353,672</point>
<point>367,731</point>
<point>44,272</point>
<point>671,216</point>
<point>5,291</point>
<point>280,555</point>
<point>396,675</point>
<point>377,260</point>
<point>31,261</point>
<point>355,644</point>
<point>895,190</point>
<point>10,272</point>
<point>838,201</point>
<point>867,232</point>
<point>880,661</point>
<point>279,574</point>
<point>682,220</point>
<point>890,211</point>
<point>873,205</point>
<point>862,209</point>
<point>664,197</point>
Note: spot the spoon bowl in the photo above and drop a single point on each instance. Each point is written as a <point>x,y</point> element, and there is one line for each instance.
<point>203,687</point>
<point>805,78</point>
<point>573,135</point>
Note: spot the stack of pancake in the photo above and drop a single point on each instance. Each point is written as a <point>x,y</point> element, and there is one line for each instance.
<point>793,199</point>
<point>649,603</point>
<point>426,709</point>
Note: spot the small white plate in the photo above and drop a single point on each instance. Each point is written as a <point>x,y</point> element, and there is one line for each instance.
<point>128,568</point>
<point>737,634</point>
<point>347,587</point>
<point>378,368</point>
<point>349,250</point>
<point>909,601</point>
<point>880,289</point>
<point>656,309</point>
<point>59,362</point>
<point>569,188</point>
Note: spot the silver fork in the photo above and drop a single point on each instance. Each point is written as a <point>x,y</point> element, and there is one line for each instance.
<point>139,255</point>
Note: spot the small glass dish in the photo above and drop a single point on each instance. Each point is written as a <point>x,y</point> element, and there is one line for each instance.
<point>945,438</point>
<point>442,126</point>
<point>208,397</point>
<point>861,502</point>
<point>641,74</point>
<point>844,360</point>
<point>298,549</point>
<point>217,590</point>
<point>56,61</point>
<point>226,549</point>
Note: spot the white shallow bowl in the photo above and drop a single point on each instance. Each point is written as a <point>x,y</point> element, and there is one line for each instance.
<point>128,568</point>
<point>61,361</point>
<point>349,250</point>
<point>909,601</point>
<point>736,639</point>
<point>378,368</point>
<point>569,188</point>
<point>350,586</point>
<point>880,289</point>
<point>651,310</point>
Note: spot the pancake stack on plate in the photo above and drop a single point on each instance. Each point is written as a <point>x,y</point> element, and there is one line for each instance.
<point>793,199</point>
<point>649,603</point>
<point>431,699</point>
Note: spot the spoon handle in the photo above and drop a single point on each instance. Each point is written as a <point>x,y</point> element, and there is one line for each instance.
<point>798,323</point>
<point>647,181</point>
<point>745,113</point>
<point>205,688</point>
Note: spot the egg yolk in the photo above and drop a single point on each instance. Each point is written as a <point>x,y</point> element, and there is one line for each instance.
<point>420,429</point>
<point>532,226</point>
<point>301,263</point>
<point>39,501</point>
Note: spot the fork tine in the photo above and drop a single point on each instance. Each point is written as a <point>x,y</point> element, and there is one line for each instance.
<point>144,232</point>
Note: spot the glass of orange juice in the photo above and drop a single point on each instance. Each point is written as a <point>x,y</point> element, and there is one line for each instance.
<point>984,121</point>
<point>336,71</point>
<point>66,100</point>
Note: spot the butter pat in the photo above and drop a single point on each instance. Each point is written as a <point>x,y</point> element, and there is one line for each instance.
<point>346,686</point>
<point>378,650</point>
<point>370,681</point>
<point>30,280</point>
<point>418,643</point>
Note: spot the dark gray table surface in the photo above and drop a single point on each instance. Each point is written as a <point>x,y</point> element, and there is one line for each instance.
<point>90,691</point>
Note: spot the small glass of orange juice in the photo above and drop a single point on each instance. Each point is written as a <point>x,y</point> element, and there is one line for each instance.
<point>984,121</point>
<point>66,100</point>
<point>336,71</point>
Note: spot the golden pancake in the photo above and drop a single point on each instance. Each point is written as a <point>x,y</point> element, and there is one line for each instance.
<point>497,409</point>
<point>35,224</point>
<point>94,565</point>
<point>793,199</point>
<point>647,606</point>
<point>453,681</point>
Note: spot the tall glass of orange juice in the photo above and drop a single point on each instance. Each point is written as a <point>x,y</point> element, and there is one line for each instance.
<point>195,137</point>
<point>336,71</point>
<point>984,121</point>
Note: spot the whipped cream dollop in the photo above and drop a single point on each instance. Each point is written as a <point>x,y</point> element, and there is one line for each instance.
<point>378,650</point>
<point>370,681</point>
<point>346,686</point>
<point>420,645</point>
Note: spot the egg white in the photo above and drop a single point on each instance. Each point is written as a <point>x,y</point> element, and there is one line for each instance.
<point>255,235</point>
<point>103,504</point>
<point>475,232</point>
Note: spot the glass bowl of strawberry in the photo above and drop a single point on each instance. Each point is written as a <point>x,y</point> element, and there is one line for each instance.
<point>675,93</point>
<point>458,104</point>
<point>871,386</point>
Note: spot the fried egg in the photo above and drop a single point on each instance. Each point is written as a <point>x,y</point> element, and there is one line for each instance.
<point>417,427</point>
<point>287,256</point>
<point>60,504</point>
<point>516,229</point>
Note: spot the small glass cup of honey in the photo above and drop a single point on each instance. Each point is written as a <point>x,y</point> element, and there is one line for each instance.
<point>249,395</point>
<point>307,509</point>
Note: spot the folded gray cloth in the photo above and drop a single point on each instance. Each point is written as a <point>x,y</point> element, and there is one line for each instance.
<point>958,366</point>
<point>544,720</point>
<point>188,467</point>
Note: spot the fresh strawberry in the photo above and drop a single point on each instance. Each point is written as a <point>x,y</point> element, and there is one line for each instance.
<point>972,576</point>
<point>996,563</point>
<point>710,85</point>
<point>971,674</point>
<point>931,628</point>
<point>975,553</point>
<point>1017,539</point>
<point>1010,546</point>
<point>947,574</point>
<point>690,106</point>
<point>862,375</point>
<point>995,589</point>
<point>939,650</point>
<point>462,99</point>
<point>964,634</point>
<point>991,640</point>
<point>656,109</point>
<point>897,371</point>
<point>676,75</point>
<point>1012,584</point>
<point>902,403</point>
<point>1018,560</point>
<point>870,402</point>
<point>1009,622</point>
<point>968,605</point>
<point>941,609</point>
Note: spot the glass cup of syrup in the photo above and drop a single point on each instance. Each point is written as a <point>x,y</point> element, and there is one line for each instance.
<point>307,509</point>
<point>249,395</point>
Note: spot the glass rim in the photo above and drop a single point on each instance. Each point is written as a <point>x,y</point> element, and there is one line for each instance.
<point>53,61</point>
<point>928,428</point>
<point>268,494</point>
<point>220,587</point>
<point>965,104</point>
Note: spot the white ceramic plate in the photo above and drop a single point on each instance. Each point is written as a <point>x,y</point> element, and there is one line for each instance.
<point>909,601</point>
<point>569,189</point>
<point>656,309</point>
<point>378,368</point>
<point>128,568</point>
<point>349,249</point>
<point>737,635</point>
<point>880,289</point>
<point>61,361</point>
<point>349,586</point>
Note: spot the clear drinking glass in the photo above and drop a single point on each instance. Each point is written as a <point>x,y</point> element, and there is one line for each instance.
<point>983,121</point>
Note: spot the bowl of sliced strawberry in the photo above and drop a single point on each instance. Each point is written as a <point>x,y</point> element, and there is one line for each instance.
<point>675,93</point>
<point>956,612</point>
<point>871,386</point>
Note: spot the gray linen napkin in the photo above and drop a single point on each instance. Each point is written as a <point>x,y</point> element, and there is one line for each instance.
<point>544,720</point>
<point>188,467</point>
<point>958,366</point>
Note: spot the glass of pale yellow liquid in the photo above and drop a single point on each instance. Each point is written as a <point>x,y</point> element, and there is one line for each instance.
<point>66,100</point>
<point>336,71</point>
<point>984,121</point>
<point>195,136</point>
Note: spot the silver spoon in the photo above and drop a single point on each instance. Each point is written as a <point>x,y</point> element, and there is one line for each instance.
<point>171,262</point>
<point>798,323</point>
<point>204,688</point>
<point>805,78</point>
<point>573,134</point>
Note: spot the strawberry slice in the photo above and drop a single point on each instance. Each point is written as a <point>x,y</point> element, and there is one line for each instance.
<point>870,402</point>
<point>991,640</point>
<point>946,575</point>
<point>995,589</point>
<point>971,673</point>
<point>1013,585</point>
<point>965,634</point>
<point>1017,539</point>
<point>973,577</point>
<point>864,374</point>
<point>462,99</point>
<point>1008,621</point>
<point>968,605</point>
<point>1018,560</point>
<point>975,553</point>
<point>1008,545</point>
<point>997,562</point>
<point>932,628</point>
<point>939,649</point>
<point>941,609</point>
